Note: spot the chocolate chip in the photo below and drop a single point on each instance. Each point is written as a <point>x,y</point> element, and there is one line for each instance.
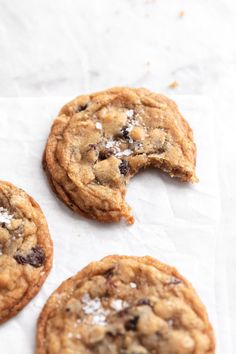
<point>131,325</point>
<point>104,154</point>
<point>81,108</point>
<point>124,167</point>
<point>144,302</point>
<point>161,150</point>
<point>159,335</point>
<point>93,146</point>
<point>109,273</point>
<point>125,132</point>
<point>35,258</point>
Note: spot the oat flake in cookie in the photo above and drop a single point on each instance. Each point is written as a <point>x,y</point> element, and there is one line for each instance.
<point>99,141</point>
<point>125,305</point>
<point>25,249</point>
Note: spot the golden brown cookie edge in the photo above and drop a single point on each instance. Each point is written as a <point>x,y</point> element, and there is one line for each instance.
<point>45,235</point>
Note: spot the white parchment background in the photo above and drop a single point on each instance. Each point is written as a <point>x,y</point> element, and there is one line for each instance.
<point>176,223</point>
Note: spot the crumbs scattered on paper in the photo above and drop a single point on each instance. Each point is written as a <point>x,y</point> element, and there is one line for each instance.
<point>173,85</point>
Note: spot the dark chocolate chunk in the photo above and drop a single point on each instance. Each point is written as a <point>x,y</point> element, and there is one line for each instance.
<point>131,324</point>
<point>81,108</point>
<point>109,273</point>
<point>125,132</point>
<point>144,302</point>
<point>104,154</point>
<point>93,146</point>
<point>124,167</point>
<point>161,150</point>
<point>159,335</point>
<point>35,258</point>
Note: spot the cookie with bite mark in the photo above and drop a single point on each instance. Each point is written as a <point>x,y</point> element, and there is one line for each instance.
<point>25,249</point>
<point>125,305</point>
<point>99,141</point>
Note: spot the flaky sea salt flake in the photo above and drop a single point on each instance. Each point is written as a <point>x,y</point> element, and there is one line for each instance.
<point>118,304</point>
<point>98,125</point>
<point>5,217</point>
<point>130,113</point>
<point>90,305</point>
<point>133,285</point>
<point>110,144</point>
<point>125,152</point>
<point>100,318</point>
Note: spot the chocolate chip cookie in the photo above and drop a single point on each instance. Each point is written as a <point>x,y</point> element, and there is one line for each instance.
<point>125,305</point>
<point>99,141</point>
<point>25,249</point>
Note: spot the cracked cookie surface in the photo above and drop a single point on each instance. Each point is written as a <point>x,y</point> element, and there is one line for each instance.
<point>25,249</point>
<point>125,305</point>
<point>99,141</point>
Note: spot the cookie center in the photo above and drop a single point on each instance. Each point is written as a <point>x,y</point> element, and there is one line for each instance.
<point>112,146</point>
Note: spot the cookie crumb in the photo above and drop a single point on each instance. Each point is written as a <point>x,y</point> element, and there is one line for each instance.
<point>173,85</point>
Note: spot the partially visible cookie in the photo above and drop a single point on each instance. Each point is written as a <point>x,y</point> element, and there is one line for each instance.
<point>125,305</point>
<point>25,249</point>
<point>99,141</point>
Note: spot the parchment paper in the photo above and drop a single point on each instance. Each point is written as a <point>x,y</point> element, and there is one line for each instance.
<point>175,222</point>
